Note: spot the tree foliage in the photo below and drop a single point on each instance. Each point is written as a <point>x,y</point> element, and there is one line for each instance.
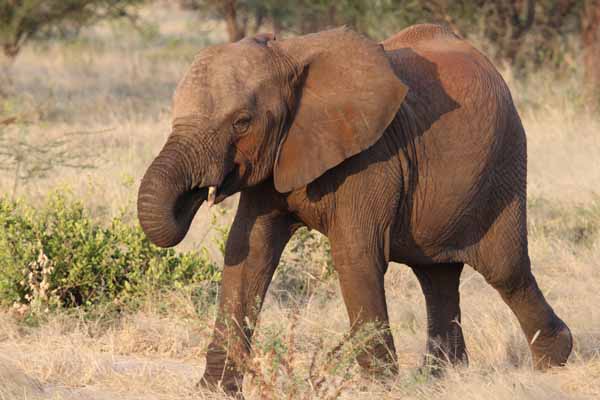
<point>22,19</point>
<point>519,32</point>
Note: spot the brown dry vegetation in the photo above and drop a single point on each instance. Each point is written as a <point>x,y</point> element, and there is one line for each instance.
<point>118,83</point>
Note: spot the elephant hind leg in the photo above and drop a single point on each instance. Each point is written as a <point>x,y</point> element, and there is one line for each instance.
<point>548,336</point>
<point>445,342</point>
<point>502,258</point>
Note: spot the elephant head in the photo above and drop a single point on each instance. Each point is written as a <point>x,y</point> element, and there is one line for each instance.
<point>264,109</point>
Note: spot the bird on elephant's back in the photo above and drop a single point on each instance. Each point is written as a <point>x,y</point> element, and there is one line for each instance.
<point>410,150</point>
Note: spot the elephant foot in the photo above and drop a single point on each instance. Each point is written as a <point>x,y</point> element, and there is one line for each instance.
<point>221,375</point>
<point>378,364</point>
<point>436,364</point>
<point>380,374</point>
<point>552,350</point>
<point>444,352</point>
<point>232,386</point>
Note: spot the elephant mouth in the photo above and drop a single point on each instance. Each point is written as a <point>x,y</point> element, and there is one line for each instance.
<point>213,194</point>
<point>166,213</point>
<point>228,186</point>
<point>189,202</point>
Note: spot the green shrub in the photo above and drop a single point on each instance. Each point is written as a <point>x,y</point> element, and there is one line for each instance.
<point>58,256</point>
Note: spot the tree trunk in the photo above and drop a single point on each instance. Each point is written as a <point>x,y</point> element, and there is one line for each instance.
<point>590,38</point>
<point>276,25</point>
<point>332,17</point>
<point>519,27</point>
<point>234,30</point>
<point>259,19</point>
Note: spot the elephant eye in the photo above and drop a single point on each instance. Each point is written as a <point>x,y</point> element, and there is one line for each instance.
<point>242,124</point>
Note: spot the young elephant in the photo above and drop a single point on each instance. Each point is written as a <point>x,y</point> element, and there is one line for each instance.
<point>409,151</point>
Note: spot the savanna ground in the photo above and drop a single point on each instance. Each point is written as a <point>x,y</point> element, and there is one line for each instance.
<point>114,84</point>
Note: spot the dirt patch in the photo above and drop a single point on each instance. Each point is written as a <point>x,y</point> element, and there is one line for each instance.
<point>16,384</point>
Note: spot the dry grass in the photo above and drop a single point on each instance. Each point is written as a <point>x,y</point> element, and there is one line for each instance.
<point>119,83</point>
<point>157,351</point>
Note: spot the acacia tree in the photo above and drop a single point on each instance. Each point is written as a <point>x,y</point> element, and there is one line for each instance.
<point>21,20</point>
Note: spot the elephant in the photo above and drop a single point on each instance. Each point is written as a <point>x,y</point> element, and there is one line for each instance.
<point>410,150</point>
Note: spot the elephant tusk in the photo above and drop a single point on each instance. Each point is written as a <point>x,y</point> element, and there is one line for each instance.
<point>212,194</point>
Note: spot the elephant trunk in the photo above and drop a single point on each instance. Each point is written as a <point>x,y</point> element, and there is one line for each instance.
<point>168,197</point>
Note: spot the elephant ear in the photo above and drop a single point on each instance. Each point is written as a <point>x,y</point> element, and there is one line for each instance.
<point>348,95</point>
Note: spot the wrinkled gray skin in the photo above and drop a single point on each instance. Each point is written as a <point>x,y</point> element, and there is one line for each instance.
<point>408,151</point>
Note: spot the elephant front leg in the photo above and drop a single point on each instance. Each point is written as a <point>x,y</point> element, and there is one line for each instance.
<point>253,249</point>
<point>232,332</point>
<point>361,272</point>
<point>445,342</point>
